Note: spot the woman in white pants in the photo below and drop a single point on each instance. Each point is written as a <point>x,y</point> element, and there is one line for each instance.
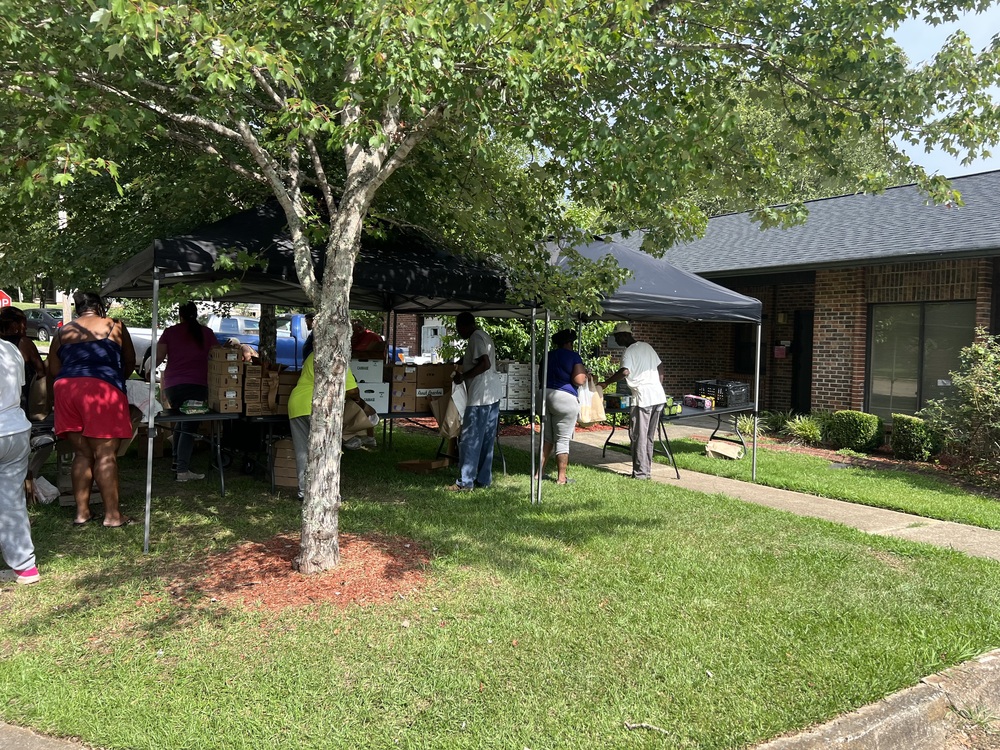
<point>15,433</point>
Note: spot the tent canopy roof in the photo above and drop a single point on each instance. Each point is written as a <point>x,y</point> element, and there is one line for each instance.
<point>406,273</point>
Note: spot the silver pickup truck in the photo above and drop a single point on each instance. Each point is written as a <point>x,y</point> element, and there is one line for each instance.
<point>142,340</point>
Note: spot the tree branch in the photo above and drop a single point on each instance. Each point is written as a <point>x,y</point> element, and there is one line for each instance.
<point>211,150</point>
<point>157,108</point>
<point>415,136</point>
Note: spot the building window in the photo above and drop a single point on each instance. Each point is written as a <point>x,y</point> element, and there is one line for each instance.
<point>912,350</point>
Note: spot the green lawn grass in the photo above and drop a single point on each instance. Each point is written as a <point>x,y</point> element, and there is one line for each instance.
<point>721,622</point>
<point>907,491</point>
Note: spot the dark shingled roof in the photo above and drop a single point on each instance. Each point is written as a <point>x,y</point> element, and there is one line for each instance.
<point>852,230</point>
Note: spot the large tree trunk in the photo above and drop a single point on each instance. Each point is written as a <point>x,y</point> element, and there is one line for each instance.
<point>268,340</point>
<point>320,549</point>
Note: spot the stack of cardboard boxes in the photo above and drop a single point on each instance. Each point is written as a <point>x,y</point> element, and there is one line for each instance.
<point>236,387</point>
<point>283,464</point>
<point>516,380</point>
<point>286,383</point>
<point>371,377</point>
<point>225,381</point>
<point>414,387</point>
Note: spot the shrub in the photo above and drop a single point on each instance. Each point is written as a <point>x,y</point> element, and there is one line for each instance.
<point>803,429</point>
<point>824,419</point>
<point>968,422</point>
<point>912,439</point>
<point>744,423</point>
<point>773,422</point>
<point>856,430</point>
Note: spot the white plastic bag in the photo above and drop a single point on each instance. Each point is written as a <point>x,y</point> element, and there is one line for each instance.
<point>45,492</point>
<point>591,397</point>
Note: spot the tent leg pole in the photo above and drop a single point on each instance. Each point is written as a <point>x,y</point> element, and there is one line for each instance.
<point>150,416</point>
<point>756,405</point>
<point>541,409</point>
<point>531,419</point>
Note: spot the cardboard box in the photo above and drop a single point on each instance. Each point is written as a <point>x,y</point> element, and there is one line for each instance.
<point>368,370</point>
<point>406,404</point>
<point>434,376</point>
<point>288,377</point>
<point>422,465</point>
<point>142,443</point>
<point>224,394</point>
<point>285,443</point>
<point>229,370</point>
<point>285,390</point>
<point>375,395</point>
<point>222,354</point>
<point>429,392</point>
<point>253,371</point>
<point>226,406</point>
<point>518,404</point>
<point>404,374</point>
<point>519,369</point>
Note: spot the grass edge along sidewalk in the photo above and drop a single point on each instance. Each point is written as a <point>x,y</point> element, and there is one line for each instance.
<point>913,492</point>
<point>721,622</point>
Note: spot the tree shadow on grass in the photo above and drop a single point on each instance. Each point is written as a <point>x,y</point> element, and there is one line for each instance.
<point>495,529</point>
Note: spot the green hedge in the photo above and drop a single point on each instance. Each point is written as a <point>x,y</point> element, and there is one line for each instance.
<point>912,439</point>
<point>856,431</point>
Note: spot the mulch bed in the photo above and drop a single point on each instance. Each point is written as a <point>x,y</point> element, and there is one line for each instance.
<point>374,569</point>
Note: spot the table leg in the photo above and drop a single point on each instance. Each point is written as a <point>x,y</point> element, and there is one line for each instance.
<point>665,447</point>
<point>217,446</point>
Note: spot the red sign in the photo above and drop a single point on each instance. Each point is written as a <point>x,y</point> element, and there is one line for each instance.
<point>5,299</point>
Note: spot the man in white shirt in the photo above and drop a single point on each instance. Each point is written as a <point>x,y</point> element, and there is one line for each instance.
<point>15,430</point>
<point>479,423</point>
<point>640,370</point>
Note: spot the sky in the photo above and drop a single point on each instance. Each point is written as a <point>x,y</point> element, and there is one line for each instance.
<point>921,41</point>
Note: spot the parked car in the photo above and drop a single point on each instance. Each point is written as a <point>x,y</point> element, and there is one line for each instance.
<point>292,335</point>
<point>43,322</point>
<point>142,342</point>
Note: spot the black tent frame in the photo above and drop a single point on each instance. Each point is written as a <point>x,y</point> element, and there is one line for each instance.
<point>400,272</point>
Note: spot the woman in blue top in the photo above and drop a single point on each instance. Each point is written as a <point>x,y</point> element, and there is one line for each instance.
<point>565,373</point>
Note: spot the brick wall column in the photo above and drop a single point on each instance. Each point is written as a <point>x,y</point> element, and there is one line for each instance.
<point>839,340</point>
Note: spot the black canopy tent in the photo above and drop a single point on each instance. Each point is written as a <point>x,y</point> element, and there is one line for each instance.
<point>403,272</point>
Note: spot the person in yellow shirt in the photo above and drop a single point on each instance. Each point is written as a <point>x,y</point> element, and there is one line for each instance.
<point>300,416</point>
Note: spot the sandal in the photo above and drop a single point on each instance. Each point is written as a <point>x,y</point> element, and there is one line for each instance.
<point>92,519</point>
<point>126,521</point>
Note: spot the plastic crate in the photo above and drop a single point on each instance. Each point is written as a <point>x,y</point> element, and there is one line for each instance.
<point>726,393</point>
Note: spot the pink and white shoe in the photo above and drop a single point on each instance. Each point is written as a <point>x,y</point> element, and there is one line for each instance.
<point>20,577</point>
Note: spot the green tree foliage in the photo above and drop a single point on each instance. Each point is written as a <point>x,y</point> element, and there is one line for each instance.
<point>355,110</point>
<point>968,422</point>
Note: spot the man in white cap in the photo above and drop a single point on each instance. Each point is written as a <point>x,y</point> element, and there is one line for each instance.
<point>640,370</point>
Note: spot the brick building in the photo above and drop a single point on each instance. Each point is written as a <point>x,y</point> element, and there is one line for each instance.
<point>865,306</point>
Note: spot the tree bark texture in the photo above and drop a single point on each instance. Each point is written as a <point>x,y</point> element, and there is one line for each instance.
<point>320,549</point>
<point>268,346</point>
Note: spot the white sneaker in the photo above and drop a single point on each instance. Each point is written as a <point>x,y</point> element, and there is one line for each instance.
<point>187,476</point>
<point>368,442</point>
<point>353,444</point>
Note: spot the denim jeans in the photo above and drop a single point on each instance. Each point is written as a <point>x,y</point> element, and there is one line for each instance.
<point>475,446</point>
<point>184,432</point>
